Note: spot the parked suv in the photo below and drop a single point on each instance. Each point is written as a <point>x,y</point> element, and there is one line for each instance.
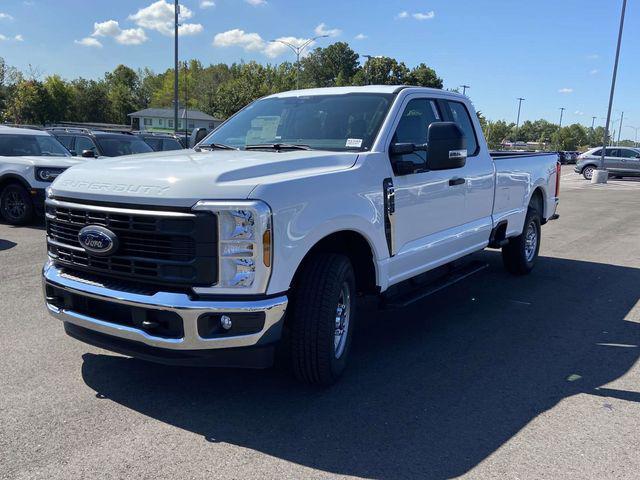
<point>99,143</point>
<point>620,161</point>
<point>160,141</point>
<point>29,161</point>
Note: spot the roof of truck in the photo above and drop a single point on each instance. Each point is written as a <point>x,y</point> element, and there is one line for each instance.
<point>4,130</point>
<point>363,89</point>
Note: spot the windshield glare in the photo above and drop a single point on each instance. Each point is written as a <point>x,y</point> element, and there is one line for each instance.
<point>323,122</point>
<point>31,145</point>
<point>117,146</point>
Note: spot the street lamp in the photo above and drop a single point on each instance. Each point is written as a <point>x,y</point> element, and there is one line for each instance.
<point>464,89</point>
<point>600,175</point>
<point>635,142</point>
<point>298,49</point>
<point>562,109</point>
<point>366,70</point>
<point>593,121</point>
<point>620,129</point>
<point>520,100</point>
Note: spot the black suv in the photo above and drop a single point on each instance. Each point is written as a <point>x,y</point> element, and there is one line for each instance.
<point>99,143</point>
<point>160,141</point>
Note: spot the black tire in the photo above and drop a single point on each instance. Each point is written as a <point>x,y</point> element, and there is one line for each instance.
<point>315,357</point>
<point>517,256</point>
<point>587,172</point>
<point>16,206</point>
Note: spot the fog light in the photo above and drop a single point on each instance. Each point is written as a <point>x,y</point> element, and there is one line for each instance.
<point>225,321</point>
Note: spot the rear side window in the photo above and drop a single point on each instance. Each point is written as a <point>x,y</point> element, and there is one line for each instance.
<point>628,153</point>
<point>66,140</point>
<point>597,153</point>
<point>611,152</point>
<point>171,144</point>
<point>155,143</point>
<point>460,115</point>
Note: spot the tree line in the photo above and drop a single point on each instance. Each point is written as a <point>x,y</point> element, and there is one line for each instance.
<point>218,89</point>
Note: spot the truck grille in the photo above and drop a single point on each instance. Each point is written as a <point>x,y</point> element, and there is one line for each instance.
<point>159,247</point>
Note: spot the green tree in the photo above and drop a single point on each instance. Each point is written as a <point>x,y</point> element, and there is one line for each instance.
<point>424,76</point>
<point>123,92</point>
<point>89,101</point>
<point>29,103</point>
<point>332,66</point>
<point>385,71</point>
<point>496,132</point>
<point>59,94</point>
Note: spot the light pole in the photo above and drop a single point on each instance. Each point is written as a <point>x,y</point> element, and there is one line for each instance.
<point>520,100</point>
<point>620,129</point>
<point>635,142</point>
<point>593,121</point>
<point>366,70</point>
<point>298,49</point>
<point>175,67</point>
<point>562,109</point>
<point>597,176</point>
<point>464,89</point>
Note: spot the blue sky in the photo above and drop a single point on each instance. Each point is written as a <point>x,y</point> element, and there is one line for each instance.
<point>554,53</point>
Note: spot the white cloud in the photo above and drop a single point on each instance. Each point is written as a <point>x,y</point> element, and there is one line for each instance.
<point>239,38</point>
<point>111,28</point>
<point>578,112</point>
<point>207,4</point>
<point>360,36</point>
<point>5,16</point>
<point>89,42</point>
<point>593,56</point>
<point>594,71</point>
<point>253,42</point>
<point>255,3</point>
<point>19,38</point>
<point>565,90</point>
<point>159,16</point>
<point>2,37</point>
<point>323,30</point>
<point>403,14</point>
<point>424,16</point>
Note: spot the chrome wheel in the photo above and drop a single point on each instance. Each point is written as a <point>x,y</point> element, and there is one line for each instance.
<point>343,310</point>
<point>530,241</point>
<point>588,173</point>
<point>14,206</point>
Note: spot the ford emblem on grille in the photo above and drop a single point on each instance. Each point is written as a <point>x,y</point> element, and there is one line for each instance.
<point>98,240</point>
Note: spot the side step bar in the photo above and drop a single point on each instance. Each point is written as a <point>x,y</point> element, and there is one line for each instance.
<point>416,294</point>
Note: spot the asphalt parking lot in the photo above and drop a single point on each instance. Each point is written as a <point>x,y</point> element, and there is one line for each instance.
<point>497,377</point>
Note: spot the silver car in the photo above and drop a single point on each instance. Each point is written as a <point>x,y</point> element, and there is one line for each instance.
<point>620,161</point>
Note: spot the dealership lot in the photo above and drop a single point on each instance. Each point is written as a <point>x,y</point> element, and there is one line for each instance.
<point>532,377</point>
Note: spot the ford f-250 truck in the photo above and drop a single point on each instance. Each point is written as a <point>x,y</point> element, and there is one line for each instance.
<point>268,231</point>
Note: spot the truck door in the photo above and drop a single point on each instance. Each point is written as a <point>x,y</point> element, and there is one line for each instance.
<point>428,205</point>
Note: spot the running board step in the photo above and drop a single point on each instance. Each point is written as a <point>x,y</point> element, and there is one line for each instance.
<point>415,295</point>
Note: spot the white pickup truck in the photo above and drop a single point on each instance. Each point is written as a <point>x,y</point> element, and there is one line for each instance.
<point>270,229</point>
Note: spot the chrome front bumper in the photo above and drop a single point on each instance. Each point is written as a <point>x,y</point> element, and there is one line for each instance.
<point>188,309</point>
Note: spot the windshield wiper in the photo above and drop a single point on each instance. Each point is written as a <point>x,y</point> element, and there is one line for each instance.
<point>278,146</point>
<point>214,146</point>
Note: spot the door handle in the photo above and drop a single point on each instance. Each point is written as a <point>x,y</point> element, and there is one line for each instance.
<point>457,181</point>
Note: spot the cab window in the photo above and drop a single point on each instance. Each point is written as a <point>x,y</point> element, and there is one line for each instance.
<point>460,115</point>
<point>413,127</point>
<point>84,143</point>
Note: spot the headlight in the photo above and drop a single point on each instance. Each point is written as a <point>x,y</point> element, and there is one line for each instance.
<point>48,174</point>
<point>244,246</point>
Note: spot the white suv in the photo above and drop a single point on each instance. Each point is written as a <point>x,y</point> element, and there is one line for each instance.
<point>29,161</point>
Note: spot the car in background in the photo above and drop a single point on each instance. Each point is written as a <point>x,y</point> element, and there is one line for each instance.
<point>161,141</point>
<point>99,143</point>
<point>619,161</point>
<point>30,160</point>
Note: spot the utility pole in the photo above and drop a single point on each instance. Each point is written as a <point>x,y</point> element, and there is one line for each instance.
<point>520,100</point>
<point>175,67</point>
<point>298,49</point>
<point>186,102</point>
<point>620,129</point>
<point>464,89</point>
<point>562,109</point>
<point>593,121</point>
<point>635,142</point>
<point>602,178</point>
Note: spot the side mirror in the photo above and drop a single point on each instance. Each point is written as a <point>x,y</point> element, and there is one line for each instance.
<point>446,146</point>
<point>88,154</point>
<point>197,134</point>
<point>73,152</point>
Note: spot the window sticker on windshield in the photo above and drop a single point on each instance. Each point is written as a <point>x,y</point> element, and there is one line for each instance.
<point>354,142</point>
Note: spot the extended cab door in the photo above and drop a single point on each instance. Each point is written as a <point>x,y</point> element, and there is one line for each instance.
<point>436,212</point>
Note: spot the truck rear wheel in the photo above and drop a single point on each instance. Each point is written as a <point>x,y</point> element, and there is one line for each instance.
<point>16,206</point>
<point>520,254</point>
<point>322,320</point>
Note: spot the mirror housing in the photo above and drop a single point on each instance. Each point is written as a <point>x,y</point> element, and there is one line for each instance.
<point>197,134</point>
<point>73,153</point>
<point>446,146</point>
<point>88,154</point>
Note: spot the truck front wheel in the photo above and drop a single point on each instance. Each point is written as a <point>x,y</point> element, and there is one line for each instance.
<point>322,318</point>
<point>16,206</point>
<point>520,254</point>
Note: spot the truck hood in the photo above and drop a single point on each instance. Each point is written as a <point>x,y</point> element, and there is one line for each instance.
<point>183,177</point>
<point>44,161</point>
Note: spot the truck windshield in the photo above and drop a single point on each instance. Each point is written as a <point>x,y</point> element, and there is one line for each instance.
<point>117,146</point>
<point>31,145</point>
<point>324,122</point>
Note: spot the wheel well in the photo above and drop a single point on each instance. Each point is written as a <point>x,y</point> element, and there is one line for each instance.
<point>11,179</point>
<point>537,201</point>
<point>588,165</point>
<point>356,248</point>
